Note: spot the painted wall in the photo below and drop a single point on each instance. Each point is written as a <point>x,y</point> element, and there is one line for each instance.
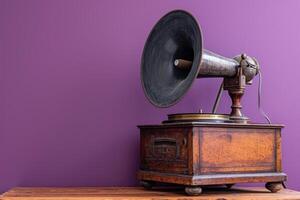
<point>70,94</point>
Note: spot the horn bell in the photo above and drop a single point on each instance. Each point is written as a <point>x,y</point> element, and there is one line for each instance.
<point>175,35</point>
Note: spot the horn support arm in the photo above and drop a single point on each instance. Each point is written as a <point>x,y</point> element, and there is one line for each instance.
<point>236,72</point>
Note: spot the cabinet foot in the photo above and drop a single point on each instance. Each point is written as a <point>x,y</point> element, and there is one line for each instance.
<point>147,184</point>
<point>229,186</point>
<point>274,186</point>
<point>193,191</point>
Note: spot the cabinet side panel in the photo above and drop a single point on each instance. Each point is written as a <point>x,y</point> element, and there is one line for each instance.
<point>165,150</point>
<point>278,150</point>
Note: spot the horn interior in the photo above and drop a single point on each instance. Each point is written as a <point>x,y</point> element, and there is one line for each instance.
<point>175,36</point>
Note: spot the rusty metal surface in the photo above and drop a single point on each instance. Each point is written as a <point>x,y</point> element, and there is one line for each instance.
<point>211,65</point>
<point>214,65</point>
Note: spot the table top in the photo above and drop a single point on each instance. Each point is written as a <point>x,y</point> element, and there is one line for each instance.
<point>98,193</point>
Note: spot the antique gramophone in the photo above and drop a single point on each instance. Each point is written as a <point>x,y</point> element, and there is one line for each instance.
<point>200,149</point>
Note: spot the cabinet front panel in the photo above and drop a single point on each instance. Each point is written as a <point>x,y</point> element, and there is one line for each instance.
<point>230,150</point>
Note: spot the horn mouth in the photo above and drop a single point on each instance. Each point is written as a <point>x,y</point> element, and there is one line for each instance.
<point>176,35</point>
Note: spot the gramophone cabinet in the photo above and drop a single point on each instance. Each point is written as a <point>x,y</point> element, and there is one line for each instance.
<point>198,154</point>
<point>199,149</point>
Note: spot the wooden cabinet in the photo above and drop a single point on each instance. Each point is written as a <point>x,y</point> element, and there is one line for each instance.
<point>197,154</point>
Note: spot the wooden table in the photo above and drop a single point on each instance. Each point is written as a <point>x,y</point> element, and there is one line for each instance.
<point>97,193</point>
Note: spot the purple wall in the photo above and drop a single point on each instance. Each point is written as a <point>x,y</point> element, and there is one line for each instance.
<point>70,94</point>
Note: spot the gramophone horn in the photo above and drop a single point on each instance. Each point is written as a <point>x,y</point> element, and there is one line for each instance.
<point>176,35</point>
<point>173,57</point>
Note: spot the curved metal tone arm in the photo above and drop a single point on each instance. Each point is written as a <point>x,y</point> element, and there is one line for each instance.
<point>262,112</point>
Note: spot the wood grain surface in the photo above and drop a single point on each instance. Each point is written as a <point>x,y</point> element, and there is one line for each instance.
<point>97,193</point>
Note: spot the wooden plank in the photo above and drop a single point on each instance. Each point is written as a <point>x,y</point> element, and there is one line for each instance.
<point>99,193</point>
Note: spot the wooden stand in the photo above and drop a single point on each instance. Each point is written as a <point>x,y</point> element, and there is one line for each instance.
<point>199,154</point>
<point>117,193</point>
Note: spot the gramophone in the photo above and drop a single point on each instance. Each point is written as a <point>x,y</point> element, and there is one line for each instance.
<point>202,149</point>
